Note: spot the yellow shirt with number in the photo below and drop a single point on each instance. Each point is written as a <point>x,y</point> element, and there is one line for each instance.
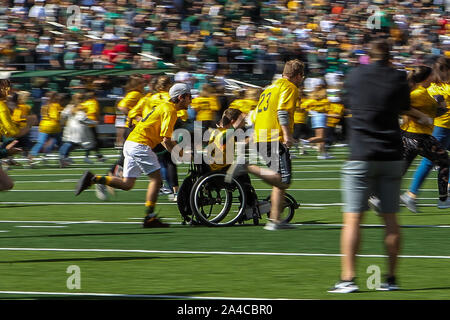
<point>156,125</point>
<point>50,118</point>
<point>128,102</point>
<point>205,107</point>
<point>422,101</point>
<point>443,90</point>
<point>19,115</point>
<point>244,105</point>
<point>281,95</point>
<point>7,126</point>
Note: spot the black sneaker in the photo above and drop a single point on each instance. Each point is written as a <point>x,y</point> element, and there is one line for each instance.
<point>389,285</point>
<point>344,287</point>
<point>84,183</point>
<point>154,222</point>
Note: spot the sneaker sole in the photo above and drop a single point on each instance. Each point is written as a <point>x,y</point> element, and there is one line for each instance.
<point>79,189</point>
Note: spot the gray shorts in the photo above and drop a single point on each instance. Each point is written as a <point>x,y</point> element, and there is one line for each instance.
<point>362,179</point>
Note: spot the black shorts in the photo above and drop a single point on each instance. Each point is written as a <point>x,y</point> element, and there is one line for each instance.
<point>300,131</point>
<point>281,160</point>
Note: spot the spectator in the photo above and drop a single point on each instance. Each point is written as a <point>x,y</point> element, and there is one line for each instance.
<point>376,94</point>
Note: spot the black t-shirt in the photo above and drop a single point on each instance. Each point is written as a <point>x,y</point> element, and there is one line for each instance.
<point>376,95</point>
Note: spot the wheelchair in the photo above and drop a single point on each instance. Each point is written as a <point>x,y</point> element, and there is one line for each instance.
<point>205,199</point>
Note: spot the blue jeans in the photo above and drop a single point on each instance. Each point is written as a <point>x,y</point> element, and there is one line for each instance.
<point>443,136</point>
<point>42,139</point>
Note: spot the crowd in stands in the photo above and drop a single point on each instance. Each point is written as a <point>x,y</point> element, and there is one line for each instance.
<point>217,36</point>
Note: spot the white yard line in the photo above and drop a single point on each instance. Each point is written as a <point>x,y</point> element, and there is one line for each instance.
<point>294,254</point>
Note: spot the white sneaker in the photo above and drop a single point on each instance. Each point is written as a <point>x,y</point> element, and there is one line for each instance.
<point>272,226</point>
<point>374,203</point>
<point>409,202</point>
<point>344,287</point>
<point>444,204</point>
<point>324,156</point>
<point>100,192</point>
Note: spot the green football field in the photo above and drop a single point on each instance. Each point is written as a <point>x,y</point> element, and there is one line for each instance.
<point>56,245</point>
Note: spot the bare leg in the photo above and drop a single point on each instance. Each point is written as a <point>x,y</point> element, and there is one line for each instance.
<point>153,186</point>
<point>350,241</point>
<point>276,199</point>
<point>269,176</point>
<point>392,241</point>
<point>122,183</point>
<point>5,181</point>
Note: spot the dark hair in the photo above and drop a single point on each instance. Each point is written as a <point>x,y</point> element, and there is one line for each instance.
<point>418,74</point>
<point>380,50</point>
<point>441,70</point>
<point>229,115</point>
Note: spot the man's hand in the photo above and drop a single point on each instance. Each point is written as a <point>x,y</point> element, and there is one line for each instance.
<point>11,149</point>
<point>288,140</point>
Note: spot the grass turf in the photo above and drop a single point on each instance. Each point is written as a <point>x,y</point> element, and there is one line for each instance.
<point>251,263</point>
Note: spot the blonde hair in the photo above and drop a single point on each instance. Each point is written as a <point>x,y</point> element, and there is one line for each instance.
<point>253,94</point>
<point>22,96</point>
<point>293,68</point>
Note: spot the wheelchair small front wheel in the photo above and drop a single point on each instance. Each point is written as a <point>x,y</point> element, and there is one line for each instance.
<point>216,203</point>
<point>289,207</point>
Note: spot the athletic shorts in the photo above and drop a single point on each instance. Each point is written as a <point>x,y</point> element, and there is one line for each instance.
<point>318,120</point>
<point>281,160</point>
<point>139,159</point>
<point>362,179</point>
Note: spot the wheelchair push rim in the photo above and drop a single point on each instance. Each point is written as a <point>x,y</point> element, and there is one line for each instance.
<point>216,203</point>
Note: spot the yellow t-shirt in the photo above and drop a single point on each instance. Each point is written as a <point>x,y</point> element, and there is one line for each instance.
<point>218,141</point>
<point>183,115</point>
<point>92,109</point>
<point>281,95</point>
<point>128,102</point>
<point>7,126</point>
<point>159,123</point>
<point>316,105</point>
<point>205,107</point>
<point>19,115</point>
<point>50,118</point>
<point>334,109</point>
<point>444,90</point>
<point>136,111</point>
<point>422,101</point>
<point>155,100</point>
<point>243,105</point>
<point>300,114</point>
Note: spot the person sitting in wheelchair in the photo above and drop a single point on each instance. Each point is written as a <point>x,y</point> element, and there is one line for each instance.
<point>232,119</point>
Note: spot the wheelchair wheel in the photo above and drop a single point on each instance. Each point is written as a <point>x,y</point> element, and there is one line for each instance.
<point>216,203</point>
<point>289,207</point>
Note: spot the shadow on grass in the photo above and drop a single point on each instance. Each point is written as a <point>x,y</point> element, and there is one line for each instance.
<point>94,259</point>
<point>142,296</point>
<point>84,235</point>
<point>21,205</point>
